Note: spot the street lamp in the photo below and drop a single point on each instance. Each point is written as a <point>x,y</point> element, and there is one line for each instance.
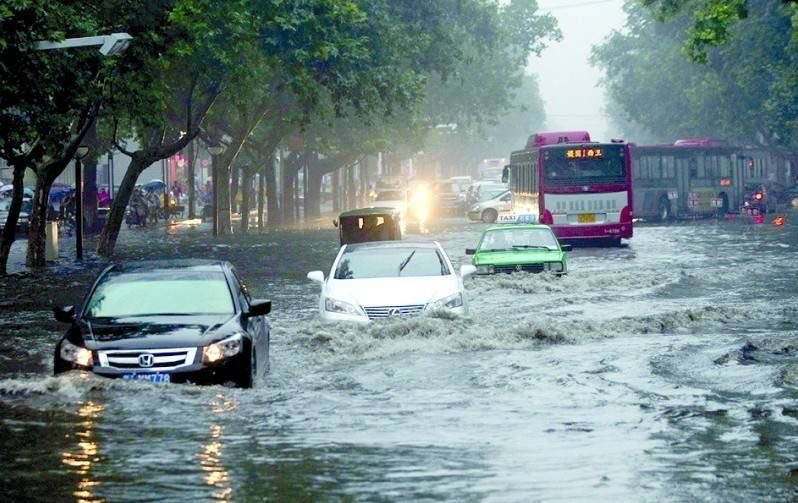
<point>110,45</point>
<point>216,151</point>
<point>80,153</point>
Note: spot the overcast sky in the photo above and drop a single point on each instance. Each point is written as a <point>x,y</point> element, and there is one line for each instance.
<point>567,81</point>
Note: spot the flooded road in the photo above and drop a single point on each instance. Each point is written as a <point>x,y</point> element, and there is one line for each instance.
<point>664,370</point>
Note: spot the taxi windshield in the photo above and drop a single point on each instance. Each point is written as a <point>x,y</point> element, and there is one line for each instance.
<point>390,263</point>
<point>510,239</point>
<point>161,292</point>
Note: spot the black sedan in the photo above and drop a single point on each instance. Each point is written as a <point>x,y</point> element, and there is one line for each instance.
<point>168,321</point>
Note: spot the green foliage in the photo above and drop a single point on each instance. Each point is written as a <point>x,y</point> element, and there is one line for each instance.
<point>745,92</point>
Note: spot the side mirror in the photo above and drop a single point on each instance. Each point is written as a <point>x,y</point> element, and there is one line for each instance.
<point>566,247</point>
<point>506,174</point>
<point>471,251</point>
<point>467,270</point>
<point>260,307</point>
<point>316,276</point>
<point>64,314</point>
<point>335,223</point>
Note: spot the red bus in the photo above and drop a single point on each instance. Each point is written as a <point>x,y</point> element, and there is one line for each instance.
<point>582,189</point>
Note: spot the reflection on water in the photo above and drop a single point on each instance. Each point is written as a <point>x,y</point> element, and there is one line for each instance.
<point>210,455</point>
<point>80,459</point>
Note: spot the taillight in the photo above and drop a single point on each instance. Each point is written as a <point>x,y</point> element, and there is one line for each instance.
<point>759,196</point>
<point>547,218</point>
<point>626,214</point>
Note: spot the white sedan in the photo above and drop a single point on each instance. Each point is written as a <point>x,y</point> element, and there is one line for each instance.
<point>384,279</point>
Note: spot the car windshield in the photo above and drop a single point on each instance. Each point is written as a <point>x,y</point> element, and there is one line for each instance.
<point>508,239</point>
<point>172,292</point>
<point>390,263</point>
<point>390,195</point>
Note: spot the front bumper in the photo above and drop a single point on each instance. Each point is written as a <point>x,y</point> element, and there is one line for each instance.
<point>327,316</point>
<point>229,369</point>
<point>475,215</point>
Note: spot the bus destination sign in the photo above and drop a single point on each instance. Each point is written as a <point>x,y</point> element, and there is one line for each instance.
<point>584,153</point>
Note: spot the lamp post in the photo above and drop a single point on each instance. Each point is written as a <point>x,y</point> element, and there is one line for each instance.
<point>110,45</point>
<point>81,152</point>
<point>216,151</point>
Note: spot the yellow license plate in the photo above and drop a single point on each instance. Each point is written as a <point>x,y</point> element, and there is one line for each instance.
<point>586,218</point>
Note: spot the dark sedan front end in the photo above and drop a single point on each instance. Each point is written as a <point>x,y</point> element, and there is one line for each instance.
<point>118,334</point>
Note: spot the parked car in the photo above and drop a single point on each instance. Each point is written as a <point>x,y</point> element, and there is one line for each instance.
<point>385,279</point>
<point>167,321</point>
<point>23,222</point>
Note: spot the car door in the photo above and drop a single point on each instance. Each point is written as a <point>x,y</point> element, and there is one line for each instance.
<point>256,327</point>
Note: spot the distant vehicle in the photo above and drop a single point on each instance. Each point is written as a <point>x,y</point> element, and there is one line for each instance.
<point>371,281</point>
<point>23,221</point>
<point>488,210</point>
<point>702,177</point>
<point>582,189</point>
<point>392,198</point>
<point>167,321</point>
<point>445,196</point>
<point>491,169</point>
<point>519,247</point>
<point>369,224</point>
<point>481,191</point>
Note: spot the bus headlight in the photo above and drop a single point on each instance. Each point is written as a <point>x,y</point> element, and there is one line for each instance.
<point>485,269</point>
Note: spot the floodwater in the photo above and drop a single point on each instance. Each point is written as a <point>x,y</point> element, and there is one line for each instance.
<point>664,370</point>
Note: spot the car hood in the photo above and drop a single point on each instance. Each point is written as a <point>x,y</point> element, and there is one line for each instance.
<point>392,291</point>
<point>158,332</point>
<point>518,256</point>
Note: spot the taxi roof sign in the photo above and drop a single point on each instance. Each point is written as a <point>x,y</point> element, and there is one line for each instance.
<point>518,218</point>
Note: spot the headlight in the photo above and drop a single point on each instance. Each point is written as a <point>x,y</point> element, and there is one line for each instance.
<point>225,348</point>
<point>554,266</point>
<point>339,306</point>
<point>76,354</point>
<point>450,302</point>
<point>485,269</point>
<point>476,208</point>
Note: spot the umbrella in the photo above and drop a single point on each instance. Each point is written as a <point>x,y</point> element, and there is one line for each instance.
<point>8,188</point>
<point>154,185</point>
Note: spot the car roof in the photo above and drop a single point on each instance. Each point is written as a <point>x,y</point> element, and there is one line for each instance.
<point>392,245</point>
<point>516,226</point>
<point>364,212</point>
<point>159,265</point>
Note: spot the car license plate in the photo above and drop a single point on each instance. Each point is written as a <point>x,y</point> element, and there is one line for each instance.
<point>156,378</point>
<point>586,218</point>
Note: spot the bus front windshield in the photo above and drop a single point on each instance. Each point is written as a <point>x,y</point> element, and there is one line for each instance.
<point>584,165</point>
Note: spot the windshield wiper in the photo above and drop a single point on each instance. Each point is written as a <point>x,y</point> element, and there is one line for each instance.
<point>496,249</point>
<point>532,246</point>
<point>405,262</point>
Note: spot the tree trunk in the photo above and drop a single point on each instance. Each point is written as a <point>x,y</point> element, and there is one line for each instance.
<point>288,193</point>
<point>273,213</point>
<point>313,197</point>
<point>36,238</point>
<point>116,215</point>
<point>235,180</point>
<point>261,198</point>
<point>191,189</point>
<point>225,222</point>
<point>246,189</point>
<point>336,191</point>
<point>10,229</point>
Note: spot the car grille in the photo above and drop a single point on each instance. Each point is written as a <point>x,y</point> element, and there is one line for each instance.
<point>162,359</point>
<point>519,268</point>
<point>390,311</point>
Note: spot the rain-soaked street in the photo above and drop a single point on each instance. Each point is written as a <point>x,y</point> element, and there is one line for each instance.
<point>664,370</point>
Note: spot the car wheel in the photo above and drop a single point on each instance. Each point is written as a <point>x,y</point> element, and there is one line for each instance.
<point>248,373</point>
<point>489,216</point>
<point>664,209</point>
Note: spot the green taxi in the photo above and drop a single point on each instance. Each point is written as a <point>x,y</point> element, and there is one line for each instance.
<point>507,248</point>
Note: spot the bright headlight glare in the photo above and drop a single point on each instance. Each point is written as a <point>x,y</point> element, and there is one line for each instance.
<point>450,302</point>
<point>485,269</point>
<point>339,306</point>
<point>76,354</point>
<point>223,349</point>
